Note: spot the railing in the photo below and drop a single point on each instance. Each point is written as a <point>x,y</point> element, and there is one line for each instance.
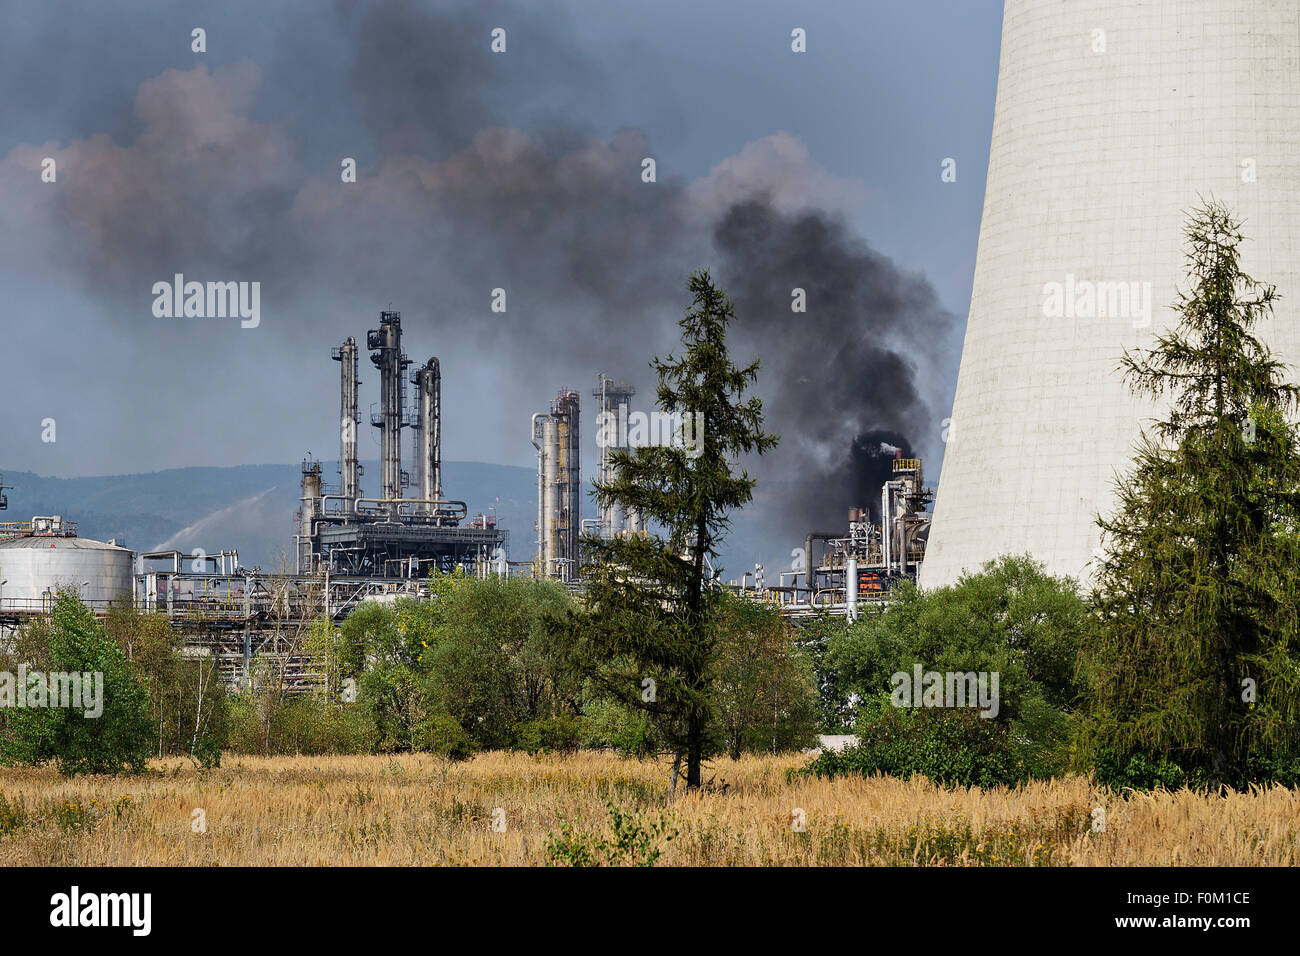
<point>907,464</point>
<point>13,529</point>
<point>43,605</point>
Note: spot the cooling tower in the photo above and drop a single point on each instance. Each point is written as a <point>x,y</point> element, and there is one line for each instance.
<point>1112,118</point>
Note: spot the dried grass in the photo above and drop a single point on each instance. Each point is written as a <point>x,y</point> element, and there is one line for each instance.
<point>419,810</point>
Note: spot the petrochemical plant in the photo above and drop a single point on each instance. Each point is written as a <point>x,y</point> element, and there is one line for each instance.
<point>391,536</point>
<point>350,547</point>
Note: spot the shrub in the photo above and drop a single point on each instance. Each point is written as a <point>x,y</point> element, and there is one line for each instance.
<point>955,747</point>
<point>633,841</point>
<point>307,725</point>
<point>611,724</point>
<point>119,739</point>
<point>442,734</point>
<point>562,733</point>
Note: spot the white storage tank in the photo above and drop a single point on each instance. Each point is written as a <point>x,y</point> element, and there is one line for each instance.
<point>50,558</point>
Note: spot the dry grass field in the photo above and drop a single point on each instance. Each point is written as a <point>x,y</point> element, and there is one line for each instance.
<point>418,810</point>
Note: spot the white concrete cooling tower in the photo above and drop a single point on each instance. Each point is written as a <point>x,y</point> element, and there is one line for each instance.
<point>1112,117</point>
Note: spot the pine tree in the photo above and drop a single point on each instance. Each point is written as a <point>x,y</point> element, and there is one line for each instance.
<point>648,633</point>
<point>1196,661</point>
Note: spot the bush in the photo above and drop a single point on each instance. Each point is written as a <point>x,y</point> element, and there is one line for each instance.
<point>611,725</point>
<point>1011,619</point>
<point>442,734</point>
<point>119,739</point>
<point>634,840</point>
<point>1139,772</point>
<point>307,725</point>
<point>563,733</point>
<point>954,747</point>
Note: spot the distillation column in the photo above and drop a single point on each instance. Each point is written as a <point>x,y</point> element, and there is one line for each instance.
<point>386,345</point>
<point>559,487</point>
<point>349,466</point>
<point>612,399</point>
<point>428,426</point>
<point>311,495</point>
<point>566,412</point>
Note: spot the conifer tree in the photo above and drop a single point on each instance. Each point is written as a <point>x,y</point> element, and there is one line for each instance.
<point>647,634</point>
<point>1196,660</point>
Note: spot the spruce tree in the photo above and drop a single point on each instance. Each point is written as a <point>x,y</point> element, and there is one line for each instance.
<point>648,632</point>
<point>1196,659</point>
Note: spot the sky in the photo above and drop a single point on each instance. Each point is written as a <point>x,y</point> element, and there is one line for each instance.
<point>520,170</point>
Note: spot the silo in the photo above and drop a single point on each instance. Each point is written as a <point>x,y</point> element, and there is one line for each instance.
<point>1113,118</point>
<point>32,565</point>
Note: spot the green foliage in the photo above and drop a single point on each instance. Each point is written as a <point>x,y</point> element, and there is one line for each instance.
<point>1197,596</point>
<point>117,740</point>
<point>954,747</point>
<point>302,725</point>
<point>562,733</point>
<point>835,711</point>
<point>633,840</point>
<point>1011,618</point>
<point>473,668</point>
<point>1139,772</point>
<point>442,734</point>
<point>649,613</point>
<point>187,701</point>
<point>765,688</point>
<point>629,730</point>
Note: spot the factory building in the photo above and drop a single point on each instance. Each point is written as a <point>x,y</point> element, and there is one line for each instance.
<point>559,487</point>
<point>845,570</point>
<point>341,531</point>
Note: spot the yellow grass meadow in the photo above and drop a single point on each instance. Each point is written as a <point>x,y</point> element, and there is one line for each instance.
<point>420,810</point>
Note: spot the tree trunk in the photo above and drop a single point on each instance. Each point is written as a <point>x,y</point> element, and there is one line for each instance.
<point>694,754</point>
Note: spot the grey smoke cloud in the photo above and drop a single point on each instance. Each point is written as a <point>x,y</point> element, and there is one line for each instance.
<point>474,175</point>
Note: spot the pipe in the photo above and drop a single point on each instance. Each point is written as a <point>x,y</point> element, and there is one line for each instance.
<point>884,525</point>
<point>541,497</point>
<point>810,573</point>
<point>851,588</point>
<point>550,439</point>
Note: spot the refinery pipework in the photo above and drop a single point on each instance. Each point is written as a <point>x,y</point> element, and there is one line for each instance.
<point>340,531</point>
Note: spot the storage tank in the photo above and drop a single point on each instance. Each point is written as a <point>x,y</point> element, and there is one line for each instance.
<point>32,564</point>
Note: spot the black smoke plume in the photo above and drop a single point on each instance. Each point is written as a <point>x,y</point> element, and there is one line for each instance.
<point>838,380</point>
